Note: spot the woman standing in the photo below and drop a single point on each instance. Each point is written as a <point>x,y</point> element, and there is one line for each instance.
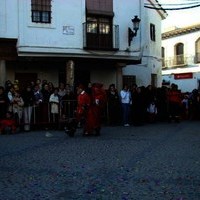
<point>3,102</point>
<point>113,105</point>
<point>54,101</point>
<point>28,97</point>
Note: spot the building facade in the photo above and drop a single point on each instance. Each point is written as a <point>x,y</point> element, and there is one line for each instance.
<point>181,57</point>
<point>79,42</point>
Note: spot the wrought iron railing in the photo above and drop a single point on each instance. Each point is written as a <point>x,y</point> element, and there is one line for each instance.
<point>197,58</point>
<point>179,61</point>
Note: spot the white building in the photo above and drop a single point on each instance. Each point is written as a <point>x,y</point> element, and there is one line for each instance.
<point>80,41</point>
<point>181,57</point>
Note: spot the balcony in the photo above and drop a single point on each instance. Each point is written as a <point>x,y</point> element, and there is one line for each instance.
<point>101,41</point>
<point>178,61</point>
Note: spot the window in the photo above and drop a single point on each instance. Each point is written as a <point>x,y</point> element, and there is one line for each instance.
<point>163,56</point>
<point>179,54</point>
<point>129,80</point>
<point>197,51</point>
<point>104,26</point>
<point>99,32</point>
<point>41,11</point>
<point>152,32</point>
<point>91,25</point>
<point>98,25</point>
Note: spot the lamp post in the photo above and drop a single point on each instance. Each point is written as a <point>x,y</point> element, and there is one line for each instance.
<point>133,33</point>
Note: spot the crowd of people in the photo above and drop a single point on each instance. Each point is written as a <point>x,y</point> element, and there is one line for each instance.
<point>140,105</point>
<point>43,105</point>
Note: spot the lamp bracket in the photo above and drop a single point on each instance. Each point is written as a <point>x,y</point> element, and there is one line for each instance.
<point>131,34</point>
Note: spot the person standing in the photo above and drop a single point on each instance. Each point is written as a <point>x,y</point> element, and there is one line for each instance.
<point>125,102</point>
<point>3,102</point>
<point>45,108</point>
<point>38,98</point>
<point>174,100</point>
<point>96,109</point>
<point>28,97</point>
<point>113,105</point>
<point>18,106</point>
<point>83,106</point>
<point>54,101</point>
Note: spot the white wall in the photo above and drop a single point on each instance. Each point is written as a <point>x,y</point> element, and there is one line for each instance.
<point>9,18</point>
<point>124,12</point>
<point>51,35</point>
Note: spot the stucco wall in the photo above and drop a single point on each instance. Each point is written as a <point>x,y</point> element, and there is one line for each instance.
<point>9,18</point>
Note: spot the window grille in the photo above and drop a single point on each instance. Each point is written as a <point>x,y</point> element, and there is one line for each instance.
<point>152,32</point>
<point>41,11</point>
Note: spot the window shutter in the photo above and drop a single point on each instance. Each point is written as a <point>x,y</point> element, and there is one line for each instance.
<point>101,7</point>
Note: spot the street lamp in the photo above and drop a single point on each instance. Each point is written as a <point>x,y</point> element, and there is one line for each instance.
<point>131,34</point>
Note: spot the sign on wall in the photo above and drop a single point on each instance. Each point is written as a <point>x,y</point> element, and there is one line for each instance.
<point>68,30</point>
<point>183,76</point>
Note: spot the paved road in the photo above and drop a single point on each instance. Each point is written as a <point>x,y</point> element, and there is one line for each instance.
<point>156,161</point>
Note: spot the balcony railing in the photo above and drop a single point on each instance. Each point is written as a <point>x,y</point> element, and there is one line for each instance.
<point>178,61</point>
<point>97,41</point>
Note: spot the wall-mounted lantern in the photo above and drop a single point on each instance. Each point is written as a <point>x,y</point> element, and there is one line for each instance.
<point>133,33</point>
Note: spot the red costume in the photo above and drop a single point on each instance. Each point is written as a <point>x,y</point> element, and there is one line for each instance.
<point>98,100</point>
<point>174,100</point>
<point>90,108</point>
<point>83,105</point>
<point>7,123</point>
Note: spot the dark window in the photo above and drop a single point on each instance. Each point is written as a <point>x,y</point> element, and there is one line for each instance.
<point>41,11</point>
<point>163,56</point>
<point>129,80</point>
<point>152,32</point>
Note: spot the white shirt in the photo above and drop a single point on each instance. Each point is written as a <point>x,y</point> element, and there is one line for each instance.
<point>125,96</point>
<point>152,108</point>
<point>54,98</point>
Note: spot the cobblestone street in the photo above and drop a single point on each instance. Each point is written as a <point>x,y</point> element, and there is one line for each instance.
<point>156,161</point>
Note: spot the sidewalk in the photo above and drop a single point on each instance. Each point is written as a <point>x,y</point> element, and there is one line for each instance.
<point>156,161</point>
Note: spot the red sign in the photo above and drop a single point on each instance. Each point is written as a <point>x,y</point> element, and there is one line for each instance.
<point>183,76</point>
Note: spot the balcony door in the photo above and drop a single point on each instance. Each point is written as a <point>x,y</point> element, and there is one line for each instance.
<point>179,54</point>
<point>99,32</point>
<point>197,51</point>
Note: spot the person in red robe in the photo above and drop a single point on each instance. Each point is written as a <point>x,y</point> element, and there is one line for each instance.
<point>83,106</point>
<point>98,100</point>
<point>174,101</point>
<point>89,110</point>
